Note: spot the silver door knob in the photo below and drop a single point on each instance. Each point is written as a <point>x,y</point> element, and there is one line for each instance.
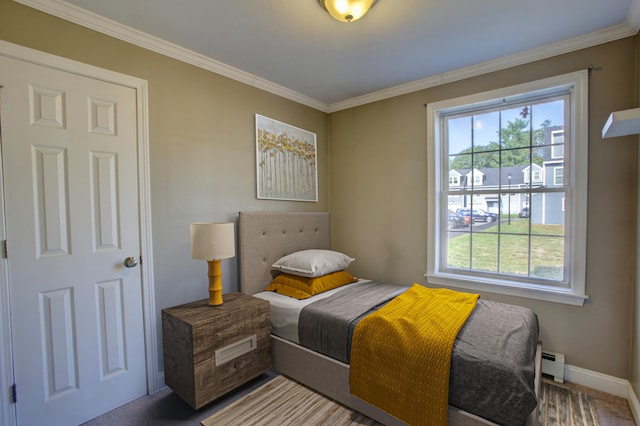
<point>130,262</point>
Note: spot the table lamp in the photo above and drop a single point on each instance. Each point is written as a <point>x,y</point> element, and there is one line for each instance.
<point>213,242</point>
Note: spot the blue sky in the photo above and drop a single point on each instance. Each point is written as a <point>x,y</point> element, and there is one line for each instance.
<point>486,126</point>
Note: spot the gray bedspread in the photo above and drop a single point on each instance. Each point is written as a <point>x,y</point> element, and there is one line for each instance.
<point>493,361</point>
<point>325,326</point>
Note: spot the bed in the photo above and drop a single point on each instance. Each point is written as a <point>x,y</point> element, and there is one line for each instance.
<point>264,237</point>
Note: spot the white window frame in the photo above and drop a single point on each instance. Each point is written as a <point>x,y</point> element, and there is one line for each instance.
<point>575,174</point>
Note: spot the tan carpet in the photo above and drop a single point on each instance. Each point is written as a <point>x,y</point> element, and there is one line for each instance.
<point>284,402</point>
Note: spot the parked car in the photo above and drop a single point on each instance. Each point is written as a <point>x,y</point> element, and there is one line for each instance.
<point>478,215</point>
<point>524,212</point>
<point>457,220</point>
<point>488,216</point>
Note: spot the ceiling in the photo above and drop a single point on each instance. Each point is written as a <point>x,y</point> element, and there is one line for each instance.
<point>295,49</point>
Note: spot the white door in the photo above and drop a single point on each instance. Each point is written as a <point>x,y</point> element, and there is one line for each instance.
<point>71,197</point>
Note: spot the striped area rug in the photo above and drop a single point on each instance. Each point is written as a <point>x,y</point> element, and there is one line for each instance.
<point>284,402</point>
<point>560,406</point>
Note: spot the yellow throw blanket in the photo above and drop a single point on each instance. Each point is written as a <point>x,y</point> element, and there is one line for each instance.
<point>401,354</point>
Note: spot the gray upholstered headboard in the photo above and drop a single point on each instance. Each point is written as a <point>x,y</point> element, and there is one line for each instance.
<point>265,237</point>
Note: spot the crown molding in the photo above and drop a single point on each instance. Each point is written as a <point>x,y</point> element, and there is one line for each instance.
<point>85,18</point>
<point>565,46</point>
<point>93,21</point>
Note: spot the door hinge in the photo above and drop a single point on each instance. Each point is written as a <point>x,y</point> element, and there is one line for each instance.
<point>3,250</point>
<point>14,394</point>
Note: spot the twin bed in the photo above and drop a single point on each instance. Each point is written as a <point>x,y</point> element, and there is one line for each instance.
<point>265,237</point>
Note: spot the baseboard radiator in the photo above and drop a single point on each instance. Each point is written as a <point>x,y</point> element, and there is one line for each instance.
<point>553,365</point>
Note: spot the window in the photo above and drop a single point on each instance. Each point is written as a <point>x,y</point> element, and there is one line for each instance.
<point>512,146</point>
<point>557,176</point>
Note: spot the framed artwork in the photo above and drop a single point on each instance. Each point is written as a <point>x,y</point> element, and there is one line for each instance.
<point>286,161</point>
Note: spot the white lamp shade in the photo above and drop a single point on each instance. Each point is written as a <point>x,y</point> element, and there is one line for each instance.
<point>212,241</point>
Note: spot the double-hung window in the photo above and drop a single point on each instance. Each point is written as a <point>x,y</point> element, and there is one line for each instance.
<point>521,157</point>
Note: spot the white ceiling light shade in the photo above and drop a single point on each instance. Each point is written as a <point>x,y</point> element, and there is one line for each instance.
<point>347,10</point>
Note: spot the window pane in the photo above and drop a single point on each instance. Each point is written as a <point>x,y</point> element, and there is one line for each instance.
<point>455,202</point>
<point>490,211</point>
<point>515,131</point>
<point>518,221</point>
<point>460,164</point>
<point>520,159</point>
<point>545,115</point>
<point>459,135</point>
<point>486,132</point>
<point>458,250</point>
<point>548,213</point>
<point>547,258</point>
<point>484,251</point>
<point>514,254</point>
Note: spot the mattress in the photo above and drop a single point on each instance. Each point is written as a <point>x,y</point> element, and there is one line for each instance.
<point>492,366</point>
<point>285,311</point>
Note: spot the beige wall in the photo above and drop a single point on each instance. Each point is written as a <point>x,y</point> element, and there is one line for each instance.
<point>202,143</point>
<point>378,168</point>
<point>203,168</point>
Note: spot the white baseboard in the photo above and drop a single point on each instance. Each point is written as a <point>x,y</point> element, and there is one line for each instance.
<point>160,382</point>
<point>598,381</point>
<point>605,383</point>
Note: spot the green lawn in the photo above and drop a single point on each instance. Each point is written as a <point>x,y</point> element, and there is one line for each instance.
<point>508,249</point>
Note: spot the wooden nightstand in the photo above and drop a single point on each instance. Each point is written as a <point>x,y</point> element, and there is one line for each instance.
<point>211,350</point>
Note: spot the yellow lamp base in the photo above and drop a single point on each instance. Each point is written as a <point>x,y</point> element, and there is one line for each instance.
<point>215,283</point>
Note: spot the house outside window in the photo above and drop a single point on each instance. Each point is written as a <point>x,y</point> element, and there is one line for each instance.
<point>557,144</point>
<point>454,178</point>
<point>532,174</point>
<point>476,177</point>
<point>512,146</point>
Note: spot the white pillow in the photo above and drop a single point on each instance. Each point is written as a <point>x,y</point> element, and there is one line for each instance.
<point>313,263</point>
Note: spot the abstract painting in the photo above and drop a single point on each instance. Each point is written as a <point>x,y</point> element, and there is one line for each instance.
<point>286,161</point>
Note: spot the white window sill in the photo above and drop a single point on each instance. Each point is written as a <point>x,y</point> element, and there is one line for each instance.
<point>530,291</point>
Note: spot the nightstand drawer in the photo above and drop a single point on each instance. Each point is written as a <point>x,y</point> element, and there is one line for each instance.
<point>211,350</point>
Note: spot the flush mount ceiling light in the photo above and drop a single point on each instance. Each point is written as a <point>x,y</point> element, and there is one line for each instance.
<point>347,10</point>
